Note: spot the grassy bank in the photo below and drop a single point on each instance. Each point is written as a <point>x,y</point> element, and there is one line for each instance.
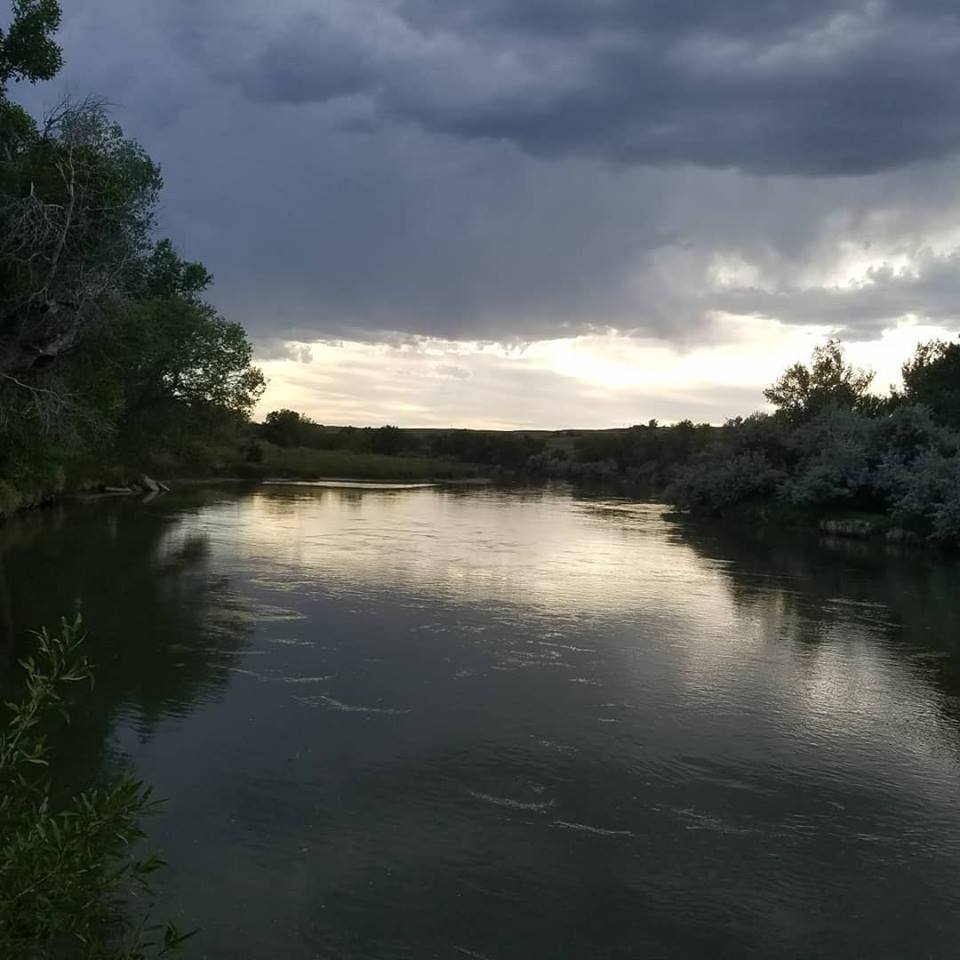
<point>295,463</point>
<point>303,463</point>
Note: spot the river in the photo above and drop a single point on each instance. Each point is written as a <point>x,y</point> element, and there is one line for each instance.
<point>512,724</point>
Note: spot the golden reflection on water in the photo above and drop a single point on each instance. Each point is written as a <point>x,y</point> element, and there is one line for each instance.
<point>540,553</point>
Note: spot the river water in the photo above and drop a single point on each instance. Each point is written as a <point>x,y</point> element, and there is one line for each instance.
<point>512,725</point>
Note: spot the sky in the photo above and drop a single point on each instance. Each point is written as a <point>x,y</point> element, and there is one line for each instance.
<point>546,213</point>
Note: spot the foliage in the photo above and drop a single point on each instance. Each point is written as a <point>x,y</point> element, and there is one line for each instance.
<point>901,465</point>
<point>67,866</point>
<point>649,448</point>
<point>804,391</point>
<point>287,428</point>
<point>184,353</point>
<point>832,458</point>
<point>27,49</point>
<point>711,485</point>
<point>744,461</point>
<point>486,448</point>
<point>387,440</point>
<point>310,464</point>
<point>77,204</point>
<point>932,377</point>
<point>920,473</point>
<point>107,348</point>
<point>165,275</point>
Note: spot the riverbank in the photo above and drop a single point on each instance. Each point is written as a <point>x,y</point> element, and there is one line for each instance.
<point>302,463</point>
<point>878,529</point>
<point>91,479</point>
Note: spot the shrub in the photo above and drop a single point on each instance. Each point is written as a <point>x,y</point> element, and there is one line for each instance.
<point>832,456</point>
<point>945,515</point>
<point>712,483</point>
<point>65,868</point>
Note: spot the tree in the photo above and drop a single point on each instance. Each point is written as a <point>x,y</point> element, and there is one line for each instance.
<point>802,392</point>
<point>182,351</point>
<point>287,428</point>
<point>77,204</point>
<point>164,274</point>
<point>106,342</point>
<point>932,378</point>
<point>99,326</point>
<point>27,48</point>
<point>185,369</point>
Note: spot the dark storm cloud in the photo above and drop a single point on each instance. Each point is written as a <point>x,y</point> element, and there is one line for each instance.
<point>811,88</point>
<point>375,169</point>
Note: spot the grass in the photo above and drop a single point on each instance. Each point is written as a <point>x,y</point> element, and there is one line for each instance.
<point>293,463</point>
<point>302,463</point>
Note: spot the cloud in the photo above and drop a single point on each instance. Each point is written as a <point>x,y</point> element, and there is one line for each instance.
<point>525,170</point>
<point>274,349</point>
<point>451,370</point>
<point>927,288</point>
<point>824,87</point>
<point>564,385</point>
<point>586,382</point>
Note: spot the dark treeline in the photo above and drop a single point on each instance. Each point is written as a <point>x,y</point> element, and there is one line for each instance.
<point>650,452</point>
<point>497,449</point>
<point>110,357</point>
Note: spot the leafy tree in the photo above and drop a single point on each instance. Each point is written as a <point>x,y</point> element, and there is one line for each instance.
<point>288,428</point>
<point>27,48</point>
<point>932,377</point>
<point>77,204</point>
<point>107,346</point>
<point>182,351</point>
<point>804,391</point>
<point>166,275</point>
<point>103,333</point>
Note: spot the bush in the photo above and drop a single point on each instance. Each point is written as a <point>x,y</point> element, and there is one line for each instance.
<point>713,483</point>
<point>832,457</point>
<point>903,465</point>
<point>65,868</point>
<point>945,515</point>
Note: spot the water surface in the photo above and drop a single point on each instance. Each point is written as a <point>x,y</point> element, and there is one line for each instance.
<point>513,725</point>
